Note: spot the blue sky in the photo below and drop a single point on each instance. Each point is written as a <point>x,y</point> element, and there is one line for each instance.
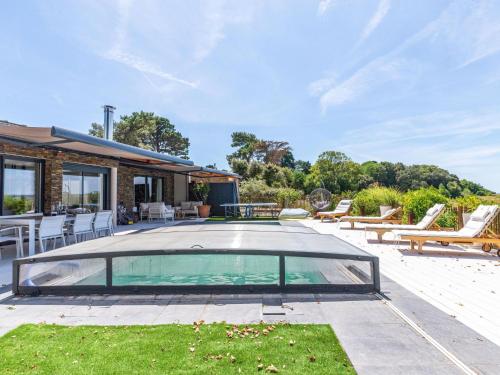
<point>410,81</point>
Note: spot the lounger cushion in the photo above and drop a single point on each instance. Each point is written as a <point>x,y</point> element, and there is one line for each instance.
<point>432,211</point>
<point>481,213</point>
<point>390,226</point>
<point>345,202</point>
<point>426,233</point>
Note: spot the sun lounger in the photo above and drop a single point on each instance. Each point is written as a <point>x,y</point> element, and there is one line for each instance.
<point>476,231</point>
<point>428,222</point>
<point>391,216</point>
<point>342,209</point>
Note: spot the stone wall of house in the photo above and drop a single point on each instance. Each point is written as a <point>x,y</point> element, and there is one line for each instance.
<point>126,183</point>
<point>53,172</point>
<point>53,166</point>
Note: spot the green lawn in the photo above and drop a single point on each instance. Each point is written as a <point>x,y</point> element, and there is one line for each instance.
<point>239,218</point>
<point>173,349</point>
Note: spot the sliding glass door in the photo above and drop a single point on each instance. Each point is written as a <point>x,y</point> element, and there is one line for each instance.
<point>21,185</point>
<point>148,189</point>
<point>85,187</point>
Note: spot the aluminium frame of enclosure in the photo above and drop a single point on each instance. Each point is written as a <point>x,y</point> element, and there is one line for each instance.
<point>282,287</point>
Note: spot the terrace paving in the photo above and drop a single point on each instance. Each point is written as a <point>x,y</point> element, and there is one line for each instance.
<point>376,339</point>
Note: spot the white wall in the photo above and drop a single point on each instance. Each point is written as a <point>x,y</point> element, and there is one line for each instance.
<point>180,189</point>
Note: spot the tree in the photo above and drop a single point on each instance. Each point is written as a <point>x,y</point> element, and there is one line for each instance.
<point>245,142</point>
<point>334,171</point>
<point>240,167</point>
<point>288,160</point>
<point>303,166</point>
<point>271,152</point>
<point>97,130</point>
<point>148,131</point>
<point>249,148</point>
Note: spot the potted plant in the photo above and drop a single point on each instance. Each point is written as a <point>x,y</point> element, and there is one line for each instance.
<point>200,190</point>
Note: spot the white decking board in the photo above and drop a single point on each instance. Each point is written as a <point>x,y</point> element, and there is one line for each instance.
<point>464,283</point>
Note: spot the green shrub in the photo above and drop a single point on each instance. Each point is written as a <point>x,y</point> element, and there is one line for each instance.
<point>287,197</point>
<point>448,219</point>
<point>368,201</point>
<point>256,190</point>
<point>417,202</point>
<point>17,205</point>
<point>201,190</point>
<point>468,203</point>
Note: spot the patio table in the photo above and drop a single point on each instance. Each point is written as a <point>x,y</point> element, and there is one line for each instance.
<point>26,220</point>
<point>249,208</point>
<point>31,222</point>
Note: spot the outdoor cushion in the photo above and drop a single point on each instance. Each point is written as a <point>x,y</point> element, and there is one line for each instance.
<point>390,226</point>
<point>426,233</point>
<point>481,213</point>
<point>185,205</point>
<point>345,202</point>
<point>293,213</point>
<point>432,211</point>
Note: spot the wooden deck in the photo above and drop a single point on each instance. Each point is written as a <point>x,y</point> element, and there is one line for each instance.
<point>462,283</point>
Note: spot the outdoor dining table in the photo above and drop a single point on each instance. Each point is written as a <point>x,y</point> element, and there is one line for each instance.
<point>249,208</point>
<point>31,221</point>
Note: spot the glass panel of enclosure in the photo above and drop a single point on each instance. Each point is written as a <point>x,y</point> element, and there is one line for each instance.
<point>196,269</point>
<point>21,186</point>
<point>309,271</point>
<point>84,188</point>
<point>148,189</point>
<point>64,273</point>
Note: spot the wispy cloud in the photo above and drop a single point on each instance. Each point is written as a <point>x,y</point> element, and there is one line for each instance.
<point>427,127</point>
<point>324,5</point>
<point>381,11</point>
<point>119,54</point>
<point>467,143</point>
<point>468,30</point>
<point>379,71</point>
<point>143,66</point>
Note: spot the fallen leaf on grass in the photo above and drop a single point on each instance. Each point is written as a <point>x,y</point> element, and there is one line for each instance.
<point>272,369</point>
<point>191,349</point>
<point>312,358</point>
<point>260,367</point>
<point>291,343</point>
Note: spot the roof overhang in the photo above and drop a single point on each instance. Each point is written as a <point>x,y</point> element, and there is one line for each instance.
<point>70,140</point>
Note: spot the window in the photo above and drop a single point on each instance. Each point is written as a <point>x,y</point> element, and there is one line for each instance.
<point>148,189</point>
<point>85,186</point>
<point>21,183</point>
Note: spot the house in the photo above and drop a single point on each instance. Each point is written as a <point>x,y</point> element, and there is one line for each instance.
<point>43,168</point>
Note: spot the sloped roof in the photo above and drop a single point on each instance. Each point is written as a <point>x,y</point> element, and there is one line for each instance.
<point>74,141</point>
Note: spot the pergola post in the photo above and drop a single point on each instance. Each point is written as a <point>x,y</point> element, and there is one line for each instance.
<point>113,193</point>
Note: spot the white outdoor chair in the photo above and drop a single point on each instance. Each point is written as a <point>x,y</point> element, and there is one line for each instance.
<point>51,228</point>
<point>103,223</point>
<point>13,234</point>
<point>158,210</point>
<point>83,225</point>
<point>143,210</point>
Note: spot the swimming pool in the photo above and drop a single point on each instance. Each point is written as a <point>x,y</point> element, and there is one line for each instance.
<point>223,259</point>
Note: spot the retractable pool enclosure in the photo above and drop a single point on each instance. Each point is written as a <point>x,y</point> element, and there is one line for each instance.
<point>210,258</point>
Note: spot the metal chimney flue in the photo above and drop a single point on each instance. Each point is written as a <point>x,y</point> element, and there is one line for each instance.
<point>108,122</point>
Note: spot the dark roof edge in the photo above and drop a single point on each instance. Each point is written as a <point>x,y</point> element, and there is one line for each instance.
<point>226,173</point>
<point>74,136</point>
